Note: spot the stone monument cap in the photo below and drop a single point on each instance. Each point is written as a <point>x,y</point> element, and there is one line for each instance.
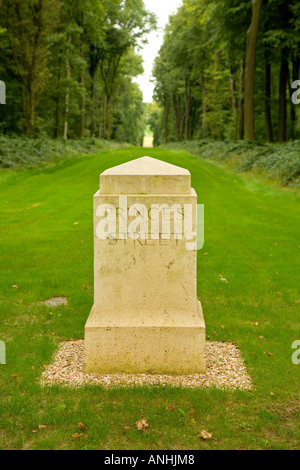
<point>145,175</point>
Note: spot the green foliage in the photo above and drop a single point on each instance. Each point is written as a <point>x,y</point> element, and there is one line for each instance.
<point>69,67</point>
<point>200,71</point>
<point>28,152</point>
<point>272,160</point>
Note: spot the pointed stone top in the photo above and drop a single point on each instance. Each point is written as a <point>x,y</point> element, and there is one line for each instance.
<point>145,175</point>
<point>146,166</point>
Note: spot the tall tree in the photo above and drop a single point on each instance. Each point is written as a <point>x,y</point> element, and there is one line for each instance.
<point>27,26</point>
<point>252,35</point>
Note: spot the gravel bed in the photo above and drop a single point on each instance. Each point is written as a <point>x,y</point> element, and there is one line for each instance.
<point>225,369</point>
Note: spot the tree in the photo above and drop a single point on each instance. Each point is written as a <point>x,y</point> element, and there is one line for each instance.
<point>252,35</point>
<point>126,23</point>
<point>27,25</point>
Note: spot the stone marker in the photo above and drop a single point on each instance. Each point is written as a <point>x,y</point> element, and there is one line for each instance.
<point>146,317</point>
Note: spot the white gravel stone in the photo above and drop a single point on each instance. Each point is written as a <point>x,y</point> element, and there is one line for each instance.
<point>225,369</point>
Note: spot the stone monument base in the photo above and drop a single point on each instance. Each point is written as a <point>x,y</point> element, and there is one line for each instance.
<point>160,343</point>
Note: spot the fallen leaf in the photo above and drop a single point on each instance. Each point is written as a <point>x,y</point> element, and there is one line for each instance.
<point>79,436</point>
<point>34,431</point>
<point>269,354</point>
<point>142,425</point>
<point>193,412</point>
<point>262,337</point>
<point>81,426</point>
<point>42,426</point>
<point>170,407</point>
<point>205,435</point>
<point>76,223</point>
<point>272,394</point>
<point>14,377</point>
<point>16,286</point>
<point>223,327</point>
<point>280,293</point>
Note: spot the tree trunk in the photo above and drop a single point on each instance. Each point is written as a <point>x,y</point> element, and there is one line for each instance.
<point>240,129</point>
<point>283,81</point>
<point>106,117</point>
<point>232,90</point>
<point>268,116</point>
<point>176,117</point>
<point>57,99</point>
<point>187,109</point>
<point>296,67</point>
<point>82,101</point>
<point>101,118</point>
<point>82,109</point>
<point>29,109</point>
<point>67,98</point>
<point>94,59</point>
<point>166,117</point>
<point>92,128</point>
<point>252,34</point>
<point>204,105</point>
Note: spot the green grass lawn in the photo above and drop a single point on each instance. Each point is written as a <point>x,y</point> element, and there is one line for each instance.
<point>251,236</point>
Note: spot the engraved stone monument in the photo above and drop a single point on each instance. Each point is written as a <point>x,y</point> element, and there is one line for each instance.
<point>146,316</point>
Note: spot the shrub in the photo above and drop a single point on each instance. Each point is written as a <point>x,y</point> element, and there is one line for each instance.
<point>27,152</point>
<point>279,161</point>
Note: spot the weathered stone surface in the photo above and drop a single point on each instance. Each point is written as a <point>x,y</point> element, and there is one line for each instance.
<point>145,175</point>
<point>146,317</point>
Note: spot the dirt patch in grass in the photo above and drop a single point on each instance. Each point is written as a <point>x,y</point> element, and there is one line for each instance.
<point>56,301</point>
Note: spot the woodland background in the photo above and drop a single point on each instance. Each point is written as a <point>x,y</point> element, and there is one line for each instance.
<point>225,70</point>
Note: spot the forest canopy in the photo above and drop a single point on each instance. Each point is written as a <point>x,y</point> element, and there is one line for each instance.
<point>226,70</point>
<point>69,67</point>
